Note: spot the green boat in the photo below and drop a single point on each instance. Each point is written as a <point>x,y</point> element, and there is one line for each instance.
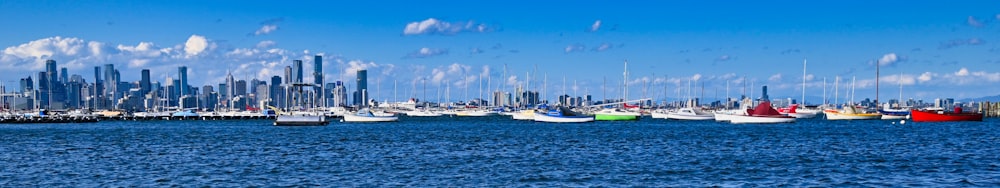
<point>615,115</point>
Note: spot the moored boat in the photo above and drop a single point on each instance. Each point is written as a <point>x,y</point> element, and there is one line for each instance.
<point>614,114</point>
<point>365,115</point>
<point>850,113</point>
<point>562,115</point>
<point>797,112</point>
<point>763,113</point>
<point>895,113</point>
<point>944,116</point>
<point>690,114</point>
<point>524,115</point>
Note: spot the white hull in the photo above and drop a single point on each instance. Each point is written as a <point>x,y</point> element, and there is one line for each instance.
<point>554,119</point>
<point>802,115</point>
<point>300,120</point>
<point>895,117</point>
<point>658,115</point>
<point>725,116</point>
<point>690,117</point>
<point>422,114</point>
<point>840,116</point>
<point>476,113</point>
<point>740,119</point>
<point>356,118</point>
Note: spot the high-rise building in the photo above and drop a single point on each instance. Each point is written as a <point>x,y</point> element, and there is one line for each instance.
<point>276,94</point>
<point>338,94</point>
<point>27,85</point>
<point>297,71</point>
<point>318,70</point>
<point>64,75</point>
<point>288,75</point>
<point>144,86</point>
<point>240,89</point>
<point>230,85</point>
<point>182,73</point>
<point>361,99</point>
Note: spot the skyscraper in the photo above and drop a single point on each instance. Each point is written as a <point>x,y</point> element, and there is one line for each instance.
<point>144,86</point>
<point>288,74</point>
<point>297,71</point>
<point>361,99</point>
<point>64,75</point>
<point>318,70</point>
<point>182,73</point>
<point>276,93</point>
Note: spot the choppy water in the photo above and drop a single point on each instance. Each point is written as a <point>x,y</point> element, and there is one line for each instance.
<point>500,152</point>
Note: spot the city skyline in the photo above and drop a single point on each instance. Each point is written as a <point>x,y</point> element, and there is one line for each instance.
<point>942,50</point>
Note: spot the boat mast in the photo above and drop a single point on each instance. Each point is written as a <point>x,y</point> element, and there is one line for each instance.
<point>836,90</point>
<point>803,83</point>
<point>853,89</point>
<point>876,82</point>
<point>899,103</point>
<point>625,81</point>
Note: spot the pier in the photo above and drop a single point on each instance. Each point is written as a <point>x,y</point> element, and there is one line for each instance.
<point>990,109</point>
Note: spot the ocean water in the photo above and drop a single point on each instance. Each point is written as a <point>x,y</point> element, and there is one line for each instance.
<point>495,151</point>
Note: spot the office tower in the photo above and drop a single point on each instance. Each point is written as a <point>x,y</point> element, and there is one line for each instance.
<point>764,95</point>
<point>339,94</point>
<point>64,75</point>
<point>240,88</point>
<point>318,70</point>
<point>144,82</point>
<point>361,99</point>
<point>288,74</point>
<point>276,92</point>
<point>182,73</point>
<point>230,84</point>
<point>297,71</point>
<point>27,85</point>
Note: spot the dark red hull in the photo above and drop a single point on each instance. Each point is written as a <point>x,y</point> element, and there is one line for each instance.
<point>941,116</point>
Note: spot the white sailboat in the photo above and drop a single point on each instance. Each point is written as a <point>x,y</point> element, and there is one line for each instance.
<point>365,115</point>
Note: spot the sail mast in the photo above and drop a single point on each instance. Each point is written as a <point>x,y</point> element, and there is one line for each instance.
<point>803,82</point>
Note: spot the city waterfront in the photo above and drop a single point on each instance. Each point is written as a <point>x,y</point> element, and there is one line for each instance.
<point>468,151</point>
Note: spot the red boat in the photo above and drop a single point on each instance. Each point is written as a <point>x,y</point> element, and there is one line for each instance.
<point>942,116</point>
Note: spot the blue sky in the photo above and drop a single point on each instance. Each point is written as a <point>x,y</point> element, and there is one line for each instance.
<point>941,49</point>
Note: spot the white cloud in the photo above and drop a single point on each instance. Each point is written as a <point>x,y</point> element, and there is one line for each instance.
<point>266,29</point>
<point>266,44</point>
<point>426,52</point>
<point>810,77</point>
<point>603,47</point>
<point>925,77</point>
<point>887,59</point>
<point>973,22</point>
<point>696,77</point>
<point>962,72</point>
<point>775,78</point>
<point>595,26</point>
<point>574,48</point>
<point>195,45</point>
<point>723,58</point>
<point>435,26</point>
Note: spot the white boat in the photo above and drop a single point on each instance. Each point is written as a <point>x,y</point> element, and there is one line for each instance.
<point>296,120</point>
<point>475,113</point>
<point>659,114</point>
<point>763,113</point>
<point>850,113</point>
<point>728,115</point>
<point>365,115</point>
<point>524,115</point>
<point>422,113</point>
<point>888,113</point>
<point>614,114</point>
<point>560,115</point>
<point>690,114</point>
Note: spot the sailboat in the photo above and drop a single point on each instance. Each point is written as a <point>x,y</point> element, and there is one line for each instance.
<point>850,111</point>
<point>796,110</point>
<point>616,114</point>
<point>690,112</point>
<point>896,113</point>
<point>291,118</point>
<point>562,115</point>
<point>365,115</point>
<point>763,113</point>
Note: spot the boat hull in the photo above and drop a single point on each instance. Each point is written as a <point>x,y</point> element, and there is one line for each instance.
<point>357,118</point>
<point>563,119</point>
<point>475,114</point>
<point>841,116</point>
<point>891,117</point>
<point>740,119</point>
<point>940,116</point>
<point>524,115</point>
<point>284,120</point>
<point>614,117</point>
<point>690,117</point>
